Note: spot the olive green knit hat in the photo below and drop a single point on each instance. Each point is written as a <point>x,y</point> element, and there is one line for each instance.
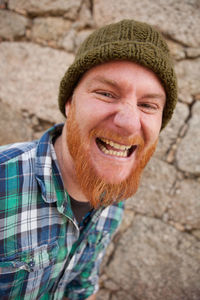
<point>125,40</point>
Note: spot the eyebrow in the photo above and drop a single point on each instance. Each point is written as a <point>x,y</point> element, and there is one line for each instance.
<point>105,81</point>
<point>116,85</point>
<point>154,96</point>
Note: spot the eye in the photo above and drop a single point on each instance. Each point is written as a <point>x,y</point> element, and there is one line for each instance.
<point>148,107</point>
<point>105,94</point>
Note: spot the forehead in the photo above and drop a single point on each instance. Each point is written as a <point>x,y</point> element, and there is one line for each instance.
<point>122,73</point>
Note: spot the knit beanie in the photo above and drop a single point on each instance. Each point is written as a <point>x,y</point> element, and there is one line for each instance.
<point>126,40</point>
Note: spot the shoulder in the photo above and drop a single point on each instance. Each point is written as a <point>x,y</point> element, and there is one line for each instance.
<point>110,218</point>
<point>13,152</point>
<point>16,162</point>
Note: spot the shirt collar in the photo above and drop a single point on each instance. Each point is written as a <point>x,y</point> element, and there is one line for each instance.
<point>46,167</point>
<point>48,174</point>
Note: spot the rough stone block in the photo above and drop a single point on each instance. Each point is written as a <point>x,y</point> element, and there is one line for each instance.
<point>176,18</point>
<point>185,206</point>
<point>85,15</point>
<point>30,77</point>
<point>188,78</point>
<point>50,28</point>
<point>12,25</point>
<point>155,190</point>
<point>177,51</point>
<point>188,158</point>
<point>13,126</point>
<point>68,41</point>
<point>103,295</point>
<point>81,36</point>
<point>155,261</point>
<point>169,135</point>
<point>69,7</point>
<point>193,52</point>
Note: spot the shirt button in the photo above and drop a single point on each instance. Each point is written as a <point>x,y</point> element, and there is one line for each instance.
<point>31,265</point>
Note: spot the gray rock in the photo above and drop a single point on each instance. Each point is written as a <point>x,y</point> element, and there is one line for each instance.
<point>154,261</point>
<point>188,158</point>
<point>85,18</point>
<point>81,36</point>
<point>192,52</point>
<point>68,41</point>
<point>178,19</point>
<point>185,205</point>
<point>177,50</point>
<point>188,79</point>
<point>50,28</point>
<point>59,7</point>
<point>11,128</point>
<point>30,77</point>
<point>103,295</point>
<point>154,194</point>
<point>196,233</point>
<point>12,25</point>
<point>169,135</point>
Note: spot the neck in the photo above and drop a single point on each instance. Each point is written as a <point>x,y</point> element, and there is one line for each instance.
<point>67,168</point>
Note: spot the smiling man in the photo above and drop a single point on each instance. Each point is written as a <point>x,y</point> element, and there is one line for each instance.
<point>62,196</point>
<point>108,149</point>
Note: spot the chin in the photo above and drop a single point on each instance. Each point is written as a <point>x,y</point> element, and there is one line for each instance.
<point>113,176</point>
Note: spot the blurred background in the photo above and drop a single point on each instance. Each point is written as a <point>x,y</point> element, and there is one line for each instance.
<point>156,253</point>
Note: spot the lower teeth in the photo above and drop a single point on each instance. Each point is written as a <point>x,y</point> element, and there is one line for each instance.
<point>112,152</point>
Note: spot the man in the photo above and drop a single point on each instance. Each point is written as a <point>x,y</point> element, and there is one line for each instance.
<point>61,196</point>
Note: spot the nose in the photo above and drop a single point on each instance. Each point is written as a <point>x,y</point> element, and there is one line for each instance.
<point>128,118</point>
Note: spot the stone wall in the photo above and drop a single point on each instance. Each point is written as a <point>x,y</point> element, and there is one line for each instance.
<point>156,253</point>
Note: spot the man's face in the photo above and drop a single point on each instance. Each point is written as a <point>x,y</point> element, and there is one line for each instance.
<point>113,124</point>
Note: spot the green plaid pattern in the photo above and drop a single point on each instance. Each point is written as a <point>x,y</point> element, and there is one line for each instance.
<point>43,255</point>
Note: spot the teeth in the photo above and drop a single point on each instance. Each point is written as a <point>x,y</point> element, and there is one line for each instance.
<point>112,152</point>
<point>115,145</point>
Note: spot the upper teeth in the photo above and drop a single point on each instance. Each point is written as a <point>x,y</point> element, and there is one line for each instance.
<point>115,153</point>
<point>115,145</point>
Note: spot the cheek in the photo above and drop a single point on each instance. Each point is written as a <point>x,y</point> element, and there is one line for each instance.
<point>151,128</point>
<point>91,113</point>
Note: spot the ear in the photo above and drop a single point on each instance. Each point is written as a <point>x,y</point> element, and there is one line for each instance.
<point>67,106</point>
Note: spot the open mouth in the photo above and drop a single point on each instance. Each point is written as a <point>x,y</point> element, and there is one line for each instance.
<point>111,148</point>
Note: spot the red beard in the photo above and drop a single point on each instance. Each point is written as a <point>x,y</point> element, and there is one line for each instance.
<point>96,189</point>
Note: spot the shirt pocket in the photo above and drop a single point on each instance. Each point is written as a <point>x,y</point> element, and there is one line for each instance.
<point>27,270</point>
<point>93,247</point>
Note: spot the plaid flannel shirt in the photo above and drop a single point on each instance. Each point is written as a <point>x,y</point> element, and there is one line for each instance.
<point>43,255</point>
